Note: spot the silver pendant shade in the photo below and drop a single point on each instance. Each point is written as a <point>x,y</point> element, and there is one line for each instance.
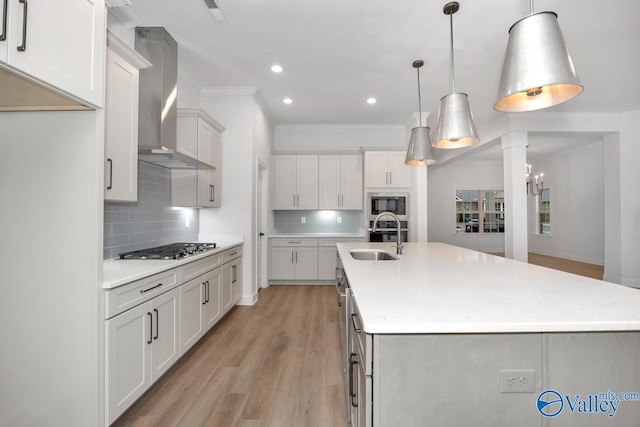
<point>456,128</point>
<point>538,71</point>
<point>419,150</point>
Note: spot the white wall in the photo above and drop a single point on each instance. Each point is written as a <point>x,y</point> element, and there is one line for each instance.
<point>630,201</point>
<point>442,183</point>
<point>319,138</point>
<point>51,318</point>
<point>247,136</point>
<point>575,179</point>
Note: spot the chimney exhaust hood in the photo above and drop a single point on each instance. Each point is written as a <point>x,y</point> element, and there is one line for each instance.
<point>157,115</point>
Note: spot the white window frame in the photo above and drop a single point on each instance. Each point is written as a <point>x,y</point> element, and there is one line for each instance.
<point>480,212</point>
<point>543,208</point>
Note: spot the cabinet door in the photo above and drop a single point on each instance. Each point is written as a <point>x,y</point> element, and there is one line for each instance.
<point>205,139</point>
<point>327,263</point>
<point>166,343</point>
<point>282,266</point>
<point>284,182</point>
<point>206,188</point>
<point>351,182</point>
<point>236,280</point>
<point>65,42</point>
<point>121,129</point>
<point>306,263</point>
<point>399,173</point>
<point>128,353</point>
<point>191,312</point>
<point>376,168</point>
<point>4,30</point>
<point>215,158</point>
<point>307,182</point>
<point>227,279</point>
<point>213,305</point>
<point>329,182</point>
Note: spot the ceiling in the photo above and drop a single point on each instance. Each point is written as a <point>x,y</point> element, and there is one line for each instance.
<point>338,53</point>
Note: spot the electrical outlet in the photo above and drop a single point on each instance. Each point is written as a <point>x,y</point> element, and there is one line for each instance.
<point>339,220</point>
<point>303,219</point>
<point>517,381</point>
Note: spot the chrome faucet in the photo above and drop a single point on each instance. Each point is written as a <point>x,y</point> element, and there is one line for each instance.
<point>374,228</point>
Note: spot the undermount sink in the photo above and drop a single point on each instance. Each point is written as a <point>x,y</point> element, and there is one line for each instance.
<point>373,255</point>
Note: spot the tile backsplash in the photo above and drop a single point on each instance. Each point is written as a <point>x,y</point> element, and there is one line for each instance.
<point>150,221</point>
<point>317,221</point>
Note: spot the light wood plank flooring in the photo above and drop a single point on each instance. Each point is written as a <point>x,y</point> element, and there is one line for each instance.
<point>576,267</point>
<point>277,363</point>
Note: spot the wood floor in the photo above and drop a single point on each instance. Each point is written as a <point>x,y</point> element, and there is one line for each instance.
<point>576,267</point>
<point>277,363</point>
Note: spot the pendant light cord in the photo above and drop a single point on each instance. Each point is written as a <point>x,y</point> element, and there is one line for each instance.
<point>419,98</point>
<point>453,69</point>
<point>531,7</point>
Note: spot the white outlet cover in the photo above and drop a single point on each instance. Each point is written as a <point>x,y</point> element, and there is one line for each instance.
<point>303,220</point>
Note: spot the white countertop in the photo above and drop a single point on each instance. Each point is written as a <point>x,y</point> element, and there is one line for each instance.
<point>117,272</point>
<point>439,288</point>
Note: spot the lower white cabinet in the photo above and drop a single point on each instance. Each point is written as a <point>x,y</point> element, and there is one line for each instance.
<point>328,255</point>
<point>142,343</point>
<point>231,283</point>
<point>294,259</point>
<point>200,307</point>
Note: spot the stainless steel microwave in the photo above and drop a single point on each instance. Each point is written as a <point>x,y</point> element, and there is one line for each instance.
<point>397,203</point>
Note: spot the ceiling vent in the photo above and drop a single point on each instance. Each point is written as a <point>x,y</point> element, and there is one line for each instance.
<point>215,10</point>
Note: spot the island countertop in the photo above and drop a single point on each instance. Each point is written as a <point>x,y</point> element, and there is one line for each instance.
<point>440,288</point>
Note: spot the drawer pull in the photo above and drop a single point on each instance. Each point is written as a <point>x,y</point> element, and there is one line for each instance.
<point>353,322</point>
<point>295,243</point>
<point>23,46</point>
<point>143,291</point>
<point>233,253</point>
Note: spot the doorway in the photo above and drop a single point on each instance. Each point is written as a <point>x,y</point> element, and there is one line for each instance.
<point>260,225</point>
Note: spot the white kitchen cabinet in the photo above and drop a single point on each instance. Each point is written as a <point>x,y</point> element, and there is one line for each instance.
<point>386,169</point>
<point>59,44</point>
<point>295,182</point>
<point>340,182</point>
<point>142,343</point>
<point>200,307</point>
<point>294,259</point>
<point>121,120</point>
<point>231,278</point>
<point>328,255</point>
<point>199,137</point>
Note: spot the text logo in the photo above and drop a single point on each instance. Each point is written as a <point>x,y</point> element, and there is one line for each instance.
<point>550,403</point>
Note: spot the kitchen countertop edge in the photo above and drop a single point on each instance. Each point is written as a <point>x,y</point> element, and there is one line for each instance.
<point>117,272</point>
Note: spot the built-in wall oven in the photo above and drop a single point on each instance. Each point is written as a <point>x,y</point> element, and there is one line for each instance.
<point>387,230</point>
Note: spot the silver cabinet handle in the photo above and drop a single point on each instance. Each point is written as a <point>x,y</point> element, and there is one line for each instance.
<point>352,363</point>
<point>204,293</point>
<point>3,36</point>
<point>390,178</point>
<point>144,291</point>
<point>157,323</point>
<point>234,274</point>
<point>236,252</point>
<point>296,257</point>
<point>212,197</point>
<point>110,186</point>
<point>150,328</point>
<point>295,243</point>
<point>294,200</point>
<point>23,46</point>
<point>292,256</point>
<point>353,322</point>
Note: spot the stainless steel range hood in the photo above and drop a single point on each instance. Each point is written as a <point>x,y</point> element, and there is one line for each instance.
<point>157,115</point>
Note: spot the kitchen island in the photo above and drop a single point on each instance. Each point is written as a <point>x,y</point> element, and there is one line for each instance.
<point>451,336</point>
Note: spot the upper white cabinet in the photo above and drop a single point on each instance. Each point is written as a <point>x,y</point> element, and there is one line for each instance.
<point>121,120</point>
<point>59,44</point>
<point>199,137</point>
<point>386,169</point>
<point>340,182</point>
<point>295,182</point>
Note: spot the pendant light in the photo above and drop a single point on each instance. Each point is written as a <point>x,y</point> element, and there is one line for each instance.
<point>538,71</point>
<point>455,121</point>
<point>419,151</point>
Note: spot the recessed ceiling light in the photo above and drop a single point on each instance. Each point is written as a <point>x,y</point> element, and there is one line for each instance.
<point>288,101</point>
<point>277,68</point>
<point>371,101</point>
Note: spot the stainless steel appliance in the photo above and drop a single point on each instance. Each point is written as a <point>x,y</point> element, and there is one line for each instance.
<point>387,231</point>
<point>396,203</point>
<point>170,251</point>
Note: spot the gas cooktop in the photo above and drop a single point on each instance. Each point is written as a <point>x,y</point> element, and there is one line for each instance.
<point>171,251</point>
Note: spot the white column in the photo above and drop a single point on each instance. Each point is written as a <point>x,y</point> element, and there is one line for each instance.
<point>514,159</point>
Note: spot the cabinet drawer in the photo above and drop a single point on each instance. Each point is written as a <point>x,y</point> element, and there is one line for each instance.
<point>332,242</point>
<point>232,253</point>
<point>126,296</point>
<point>196,268</point>
<point>294,242</point>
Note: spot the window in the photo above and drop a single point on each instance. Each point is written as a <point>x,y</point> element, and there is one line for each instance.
<point>544,212</point>
<point>479,211</point>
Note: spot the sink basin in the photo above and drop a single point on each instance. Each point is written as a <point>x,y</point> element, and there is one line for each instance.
<point>373,255</point>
